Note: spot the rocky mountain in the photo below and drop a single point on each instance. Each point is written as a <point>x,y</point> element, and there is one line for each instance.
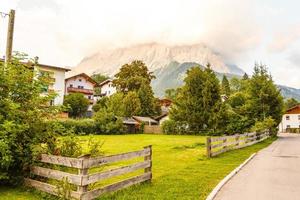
<point>169,64</point>
<point>289,92</point>
<point>156,56</point>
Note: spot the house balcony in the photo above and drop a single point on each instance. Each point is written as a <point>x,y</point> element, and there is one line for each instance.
<point>78,90</point>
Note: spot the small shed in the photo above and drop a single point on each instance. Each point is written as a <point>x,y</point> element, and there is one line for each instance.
<point>132,126</point>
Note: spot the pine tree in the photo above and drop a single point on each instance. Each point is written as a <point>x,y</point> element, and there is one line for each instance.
<point>197,103</point>
<point>225,87</point>
<point>245,76</point>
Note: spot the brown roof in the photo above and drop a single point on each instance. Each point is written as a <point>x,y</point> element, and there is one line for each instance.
<point>294,110</point>
<point>84,75</point>
<point>104,82</point>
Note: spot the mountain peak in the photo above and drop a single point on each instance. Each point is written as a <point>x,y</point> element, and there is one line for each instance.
<point>155,55</point>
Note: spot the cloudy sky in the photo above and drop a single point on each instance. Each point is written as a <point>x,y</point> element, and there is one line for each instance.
<point>62,32</point>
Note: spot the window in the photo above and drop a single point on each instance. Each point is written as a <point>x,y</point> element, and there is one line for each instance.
<point>298,117</point>
<point>287,117</point>
<point>80,87</point>
<point>89,97</point>
<point>79,80</point>
<point>71,85</point>
<point>288,126</point>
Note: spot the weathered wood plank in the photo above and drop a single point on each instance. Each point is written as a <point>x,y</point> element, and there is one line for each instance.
<point>217,139</point>
<point>213,146</point>
<point>45,187</point>
<point>218,152</point>
<point>55,174</point>
<point>116,186</point>
<point>114,172</point>
<point>92,162</point>
<point>60,160</point>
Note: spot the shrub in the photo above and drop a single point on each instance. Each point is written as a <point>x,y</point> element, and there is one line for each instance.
<point>79,126</point>
<point>169,127</point>
<point>107,123</point>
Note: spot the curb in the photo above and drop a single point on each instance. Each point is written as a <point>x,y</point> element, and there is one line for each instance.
<point>215,191</point>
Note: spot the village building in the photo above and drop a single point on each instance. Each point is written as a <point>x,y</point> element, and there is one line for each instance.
<point>81,83</point>
<point>57,76</point>
<point>57,85</point>
<point>107,88</point>
<point>291,120</point>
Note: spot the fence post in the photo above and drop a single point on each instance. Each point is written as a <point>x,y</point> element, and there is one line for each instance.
<point>237,138</point>
<point>82,172</point>
<point>147,158</point>
<point>208,146</point>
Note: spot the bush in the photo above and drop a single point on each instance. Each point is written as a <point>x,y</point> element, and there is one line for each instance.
<point>107,123</point>
<point>169,127</point>
<point>79,126</point>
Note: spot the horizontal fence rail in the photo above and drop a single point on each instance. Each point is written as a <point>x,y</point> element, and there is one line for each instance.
<point>218,145</point>
<point>83,179</point>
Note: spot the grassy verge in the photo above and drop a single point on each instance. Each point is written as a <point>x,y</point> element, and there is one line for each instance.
<point>180,167</point>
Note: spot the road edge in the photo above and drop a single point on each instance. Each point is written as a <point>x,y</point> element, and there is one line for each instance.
<point>215,191</point>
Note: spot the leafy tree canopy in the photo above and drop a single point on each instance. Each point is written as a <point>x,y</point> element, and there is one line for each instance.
<point>77,104</point>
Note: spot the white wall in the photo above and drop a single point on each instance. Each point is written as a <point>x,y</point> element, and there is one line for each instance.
<point>84,82</point>
<point>59,84</point>
<point>293,122</point>
<point>108,89</point>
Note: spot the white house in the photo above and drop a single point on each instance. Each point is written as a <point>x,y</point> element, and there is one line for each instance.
<point>58,84</point>
<point>107,88</point>
<point>291,119</point>
<point>81,83</point>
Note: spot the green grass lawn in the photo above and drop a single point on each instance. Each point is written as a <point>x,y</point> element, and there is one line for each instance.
<point>180,167</point>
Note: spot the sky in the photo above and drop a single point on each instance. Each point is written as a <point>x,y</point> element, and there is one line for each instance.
<point>242,32</point>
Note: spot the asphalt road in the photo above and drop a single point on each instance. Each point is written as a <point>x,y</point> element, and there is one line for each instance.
<point>273,174</point>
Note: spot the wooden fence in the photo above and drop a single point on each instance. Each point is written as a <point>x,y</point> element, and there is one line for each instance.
<point>218,145</point>
<point>152,129</point>
<point>83,179</point>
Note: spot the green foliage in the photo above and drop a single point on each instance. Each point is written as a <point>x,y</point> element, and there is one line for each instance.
<point>77,104</point>
<point>107,122</point>
<point>289,103</point>
<point>148,102</point>
<point>266,124</point>
<point>99,78</point>
<point>132,76</point>
<point>78,126</point>
<point>198,102</point>
<point>264,98</point>
<point>101,103</point>
<point>132,104</point>
<point>170,93</point>
<point>225,87</point>
<point>69,146</point>
<point>135,77</point>
<point>169,127</point>
<point>22,112</point>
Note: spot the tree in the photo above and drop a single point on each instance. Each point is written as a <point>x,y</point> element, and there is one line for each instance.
<point>101,103</point>
<point>77,104</point>
<point>99,78</point>
<point>135,77</point>
<point>147,100</point>
<point>132,76</point>
<point>23,110</point>
<point>132,104</point>
<point>289,103</point>
<point>264,98</point>
<point>115,104</point>
<point>107,122</point>
<point>198,102</point>
<point>225,87</point>
<point>170,93</point>
<point>245,76</point>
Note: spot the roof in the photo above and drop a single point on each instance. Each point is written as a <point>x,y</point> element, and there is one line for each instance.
<point>161,116</point>
<point>31,64</point>
<point>129,120</point>
<point>84,75</point>
<point>104,82</point>
<point>294,110</point>
<point>55,67</point>
<point>144,119</point>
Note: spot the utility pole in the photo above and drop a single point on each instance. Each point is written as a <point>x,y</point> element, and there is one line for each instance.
<point>10,35</point>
